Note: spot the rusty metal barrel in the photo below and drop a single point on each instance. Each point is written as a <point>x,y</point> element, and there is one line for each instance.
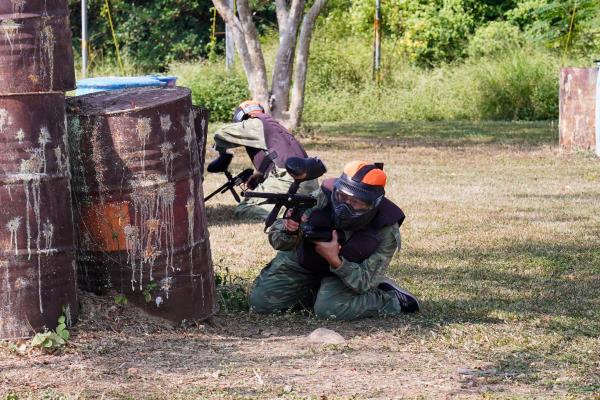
<point>37,264</point>
<point>35,47</point>
<point>579,105</point>
<point>136,165</point>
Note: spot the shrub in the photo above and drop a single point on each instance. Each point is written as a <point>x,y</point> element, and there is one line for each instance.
<point>433,36</point>
<point>522,85</point>
<point>212,87</point>
<point>495,38</point>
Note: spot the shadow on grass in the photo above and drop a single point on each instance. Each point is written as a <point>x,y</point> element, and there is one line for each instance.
<point>435,133</point>
<point>529,279</point>
<point>224,214</point>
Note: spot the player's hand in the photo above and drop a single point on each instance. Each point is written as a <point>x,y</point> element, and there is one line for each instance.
<point>254,180</point>
<point>330,251</point>
<point>290,225</point>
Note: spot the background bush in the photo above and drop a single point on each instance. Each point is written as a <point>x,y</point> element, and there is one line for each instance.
<point>495,38</point>
<point>212,87</point>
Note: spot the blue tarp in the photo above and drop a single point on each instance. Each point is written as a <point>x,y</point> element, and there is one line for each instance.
<point>99,84</point>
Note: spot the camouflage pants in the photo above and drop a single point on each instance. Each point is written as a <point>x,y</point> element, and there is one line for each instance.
<point>284,285</point>
<point>278,181</point>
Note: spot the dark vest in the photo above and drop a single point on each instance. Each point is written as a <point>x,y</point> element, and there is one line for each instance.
<point>361,244</point>
<point>278,140</point>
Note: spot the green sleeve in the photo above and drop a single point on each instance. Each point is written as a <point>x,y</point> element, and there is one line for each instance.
<point>280,240</point>
<point>249,133</point>
<point>363,276</point>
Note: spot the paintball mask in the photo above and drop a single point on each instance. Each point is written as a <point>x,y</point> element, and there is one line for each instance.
<point>357,194</point>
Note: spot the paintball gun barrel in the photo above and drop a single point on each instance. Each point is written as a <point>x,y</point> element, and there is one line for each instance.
<point>301,169</point>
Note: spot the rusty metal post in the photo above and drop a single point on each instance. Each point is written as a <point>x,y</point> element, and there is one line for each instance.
<point>377,42</point>
<point>84,39</point>
<point>597,118</point>
<point>578,110</point>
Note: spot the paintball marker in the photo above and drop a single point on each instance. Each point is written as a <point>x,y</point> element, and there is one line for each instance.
<point>221,164</point>
<point>301,169</point>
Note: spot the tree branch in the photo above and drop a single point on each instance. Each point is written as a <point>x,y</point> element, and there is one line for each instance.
<point>302,53</point>
<point>260,85</point>
<point>284,60</point>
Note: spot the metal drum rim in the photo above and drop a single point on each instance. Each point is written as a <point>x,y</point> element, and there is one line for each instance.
<point>94,113</point>
<point>19,16</point>
<point>2,95</point>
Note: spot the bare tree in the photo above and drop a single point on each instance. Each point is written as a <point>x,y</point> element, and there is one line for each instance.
<point>295,32</point>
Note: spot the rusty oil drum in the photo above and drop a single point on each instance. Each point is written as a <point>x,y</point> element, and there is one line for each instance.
<point>37,255</point>
<point>138,199</point>
<point>35,47</point>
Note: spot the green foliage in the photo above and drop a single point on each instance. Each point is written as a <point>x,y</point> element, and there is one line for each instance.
<point>437,35</point>
<point>150,33</point>
<point>495,38</point>
<point>523,86</point>
<point>232,291</point>
<point>121,300</point>
<point>212,87</point>
<point>519,84</point>
<point>565,25</point>
<point>52,340</point>
<point>11,396</point>
<point>147,292</point>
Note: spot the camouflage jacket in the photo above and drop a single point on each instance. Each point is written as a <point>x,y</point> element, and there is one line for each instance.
<point>360,277</point>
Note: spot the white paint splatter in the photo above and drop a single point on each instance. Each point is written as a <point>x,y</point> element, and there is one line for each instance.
<point>98,158</point>
<point>43,140</point>
<point>13,227</point>
<point>48,40</point>
<point>165,123</point>
<point>190,207</point>
<point>20,136</point>
<point>11,29</point>
<point>143,131</point>
<point>165,285</point>
<point>5,119</point>
<point>48,232</point>
<point>167,157</point>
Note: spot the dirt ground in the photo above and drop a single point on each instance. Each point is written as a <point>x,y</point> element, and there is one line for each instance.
<point>118,352</point>
<point>501,244</point>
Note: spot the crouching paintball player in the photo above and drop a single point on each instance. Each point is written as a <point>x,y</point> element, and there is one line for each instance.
<point>340,274</point>
<point>268,144</point>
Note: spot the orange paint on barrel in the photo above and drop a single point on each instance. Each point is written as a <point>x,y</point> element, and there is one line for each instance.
<point>105,224</point>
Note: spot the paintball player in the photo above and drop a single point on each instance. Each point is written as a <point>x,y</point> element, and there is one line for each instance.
<point>268,145</point>
<point>342,278</point>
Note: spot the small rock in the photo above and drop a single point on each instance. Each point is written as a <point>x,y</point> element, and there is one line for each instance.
<point>217,374</point>
<point>132,371</point>
<point>325,336</point>
<point>288,389</point>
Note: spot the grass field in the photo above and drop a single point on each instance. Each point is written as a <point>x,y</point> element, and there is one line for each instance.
<point>501,244</point>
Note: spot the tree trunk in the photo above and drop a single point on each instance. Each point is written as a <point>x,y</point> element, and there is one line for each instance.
<point>301,67</point>
<point>248,47</point>
<point>288,22</point>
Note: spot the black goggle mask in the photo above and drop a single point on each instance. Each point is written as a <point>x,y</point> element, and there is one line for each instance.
<point>354,205</point>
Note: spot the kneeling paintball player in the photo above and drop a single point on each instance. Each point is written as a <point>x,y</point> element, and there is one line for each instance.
<point>268,144</point>
<point>342,278</point>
